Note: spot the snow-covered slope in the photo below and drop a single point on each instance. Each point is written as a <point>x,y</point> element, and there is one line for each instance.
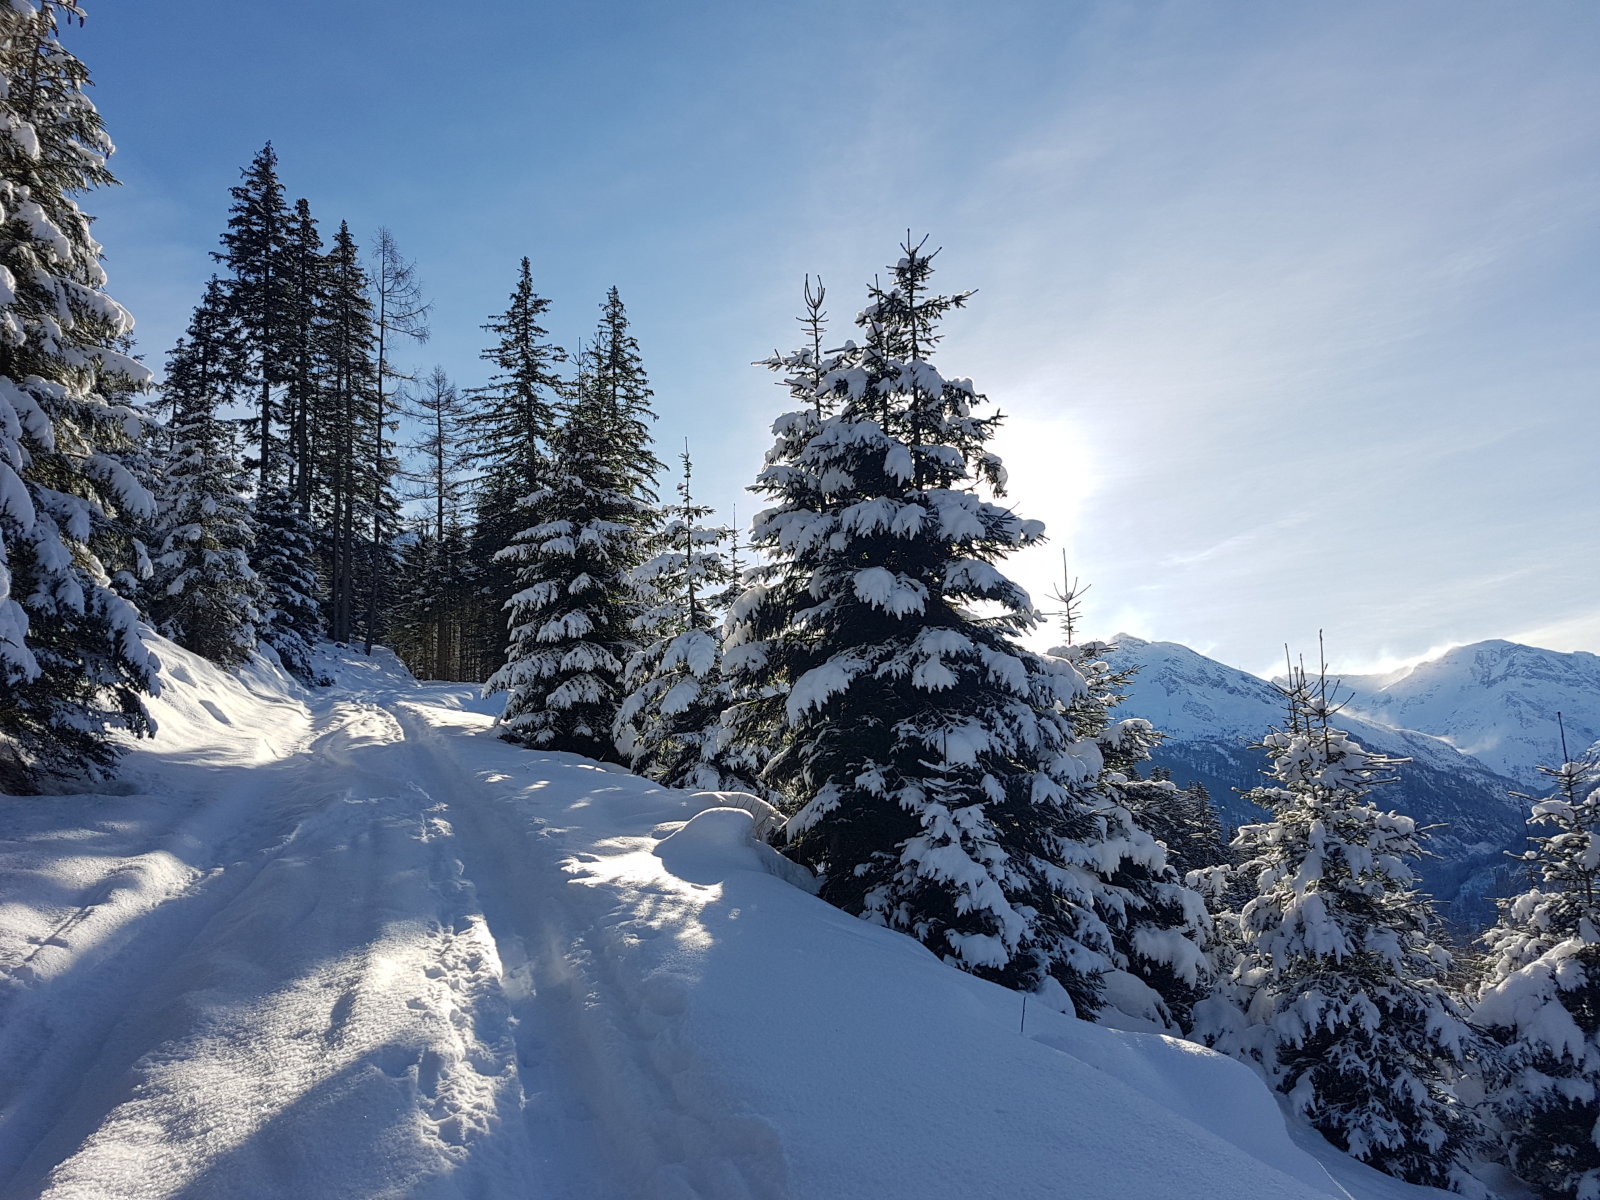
<point>347,943</point>
<point>1211,714</point>
<point>1496,701</point>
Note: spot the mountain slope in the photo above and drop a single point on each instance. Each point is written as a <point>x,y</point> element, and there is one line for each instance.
<point>1496,701</point>
<point>1211,713</point>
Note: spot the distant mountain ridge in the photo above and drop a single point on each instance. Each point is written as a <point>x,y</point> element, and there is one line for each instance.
<point>1496,701</point>
<point>1496,696</point>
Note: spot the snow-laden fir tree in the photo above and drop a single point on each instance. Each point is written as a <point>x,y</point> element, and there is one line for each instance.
<point>936,778</point>
<point>1540,998</point>
<point>1158,926</point>
<point>511,426</point>
<point>72,664</point>
<point>572,619</point>
<point>670,723</point>
<point>204,594</point>
<point>1335,990</point>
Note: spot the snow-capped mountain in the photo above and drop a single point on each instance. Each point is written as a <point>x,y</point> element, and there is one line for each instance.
<point>1212,713</point>
<point>1496,701</point>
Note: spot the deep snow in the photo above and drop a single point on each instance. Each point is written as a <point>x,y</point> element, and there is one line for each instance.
<point>349,944</point>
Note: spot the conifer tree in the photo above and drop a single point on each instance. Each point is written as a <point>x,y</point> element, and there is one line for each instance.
<point>256,251</point>
<point>931,764</point>
<point>437,602</point>
<point>669,725</point>
<point>511,428</point>
<point>72,664</point>
<point>355,475</point>
<point>413,624</point>
<point>572,619</point>
<point>204,592</point>
<point>130,537</point>
<point>286,549</point>
<point>285,563</point>
<point>1338,970</point>
<point>1181,819</point>
<point>1159,927</point>
<point>1540,999</point>
<point>307,298</point>
<point>616,374</point>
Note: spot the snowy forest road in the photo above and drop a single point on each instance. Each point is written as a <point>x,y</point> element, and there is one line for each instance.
<point>350,968</point>
<point>346,944</point>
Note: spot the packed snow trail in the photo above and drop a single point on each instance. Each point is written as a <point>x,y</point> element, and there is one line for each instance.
<point>317,1012</point>
<point>348,944</point>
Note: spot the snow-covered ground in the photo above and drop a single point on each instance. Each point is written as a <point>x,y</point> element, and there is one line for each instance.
<point>348,944</point>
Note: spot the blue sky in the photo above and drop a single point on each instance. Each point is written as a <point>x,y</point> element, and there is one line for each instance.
<point>1295,308</point>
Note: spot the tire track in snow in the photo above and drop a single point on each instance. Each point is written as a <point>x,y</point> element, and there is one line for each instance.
<point>338,975</point>
<point>339,1007</point>
<point>659,1120</point>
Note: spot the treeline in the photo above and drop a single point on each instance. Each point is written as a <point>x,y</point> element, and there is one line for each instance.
<point>307,338</point>
<point>864,671</point>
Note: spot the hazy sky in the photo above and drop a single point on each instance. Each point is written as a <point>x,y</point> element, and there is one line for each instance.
<point>1295,308</point>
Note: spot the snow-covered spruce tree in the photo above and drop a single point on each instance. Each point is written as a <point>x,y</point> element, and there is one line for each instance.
<point>572,619</point>
<point>204,595</point>
<point>72,664</point>
<point>511,426</point>
<point>669,724</point>
<point>1159,927</point>
<point>1336,972</point>
<point>1540,999</point>
<point>749,734</point>
<point>931,765</point>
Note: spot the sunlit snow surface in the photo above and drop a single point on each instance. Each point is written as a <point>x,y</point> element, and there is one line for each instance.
<point>346,943</point>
